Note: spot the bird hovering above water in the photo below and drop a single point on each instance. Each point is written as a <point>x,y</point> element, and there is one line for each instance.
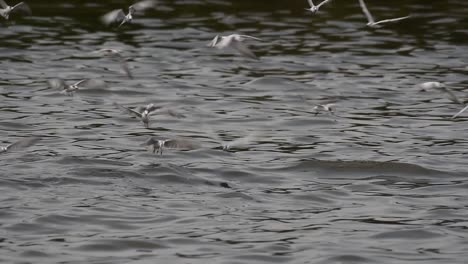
<point>324,107</point>
<point>144,112</point>
<point>23,143</point>
<point>375,24</point>
<point>118,15</point>
<point>69,89</point>
<point>113,53</point>
<point>6,10</point>
<point>314,8</point>
<point>234,41</point>
<point>159,144</point>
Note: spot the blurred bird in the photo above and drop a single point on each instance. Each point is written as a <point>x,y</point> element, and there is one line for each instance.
<point>159,144</point>
<point>324,107</point>
<point>234,41</point>
<point>23,143</point>
<point>370,18</point>
<point>242,142</point>
<point>314,8</point>
<point>454,98</point>
<point>69,89</point>
<point>6,10</point>
<point>144,112</point>
<point>116,54</point>
<point>431,85</point>
<point>118,15</point>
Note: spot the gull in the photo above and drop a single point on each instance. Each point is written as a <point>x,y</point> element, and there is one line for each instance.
<point>6,9</point>
<point>70,88</point>
<point>159,143</point>
<point>314,8</point>
<point>324,107</point>
<point>118,15</point>
<point>234,41</point>
<point>144,112</point>
<point>23,143</point>
<point>370,18</point>
<point>113,53</point>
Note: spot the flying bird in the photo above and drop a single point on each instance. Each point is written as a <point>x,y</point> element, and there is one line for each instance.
<point>234,41</point>
<point>454,98</point>
<point>370,18</point>
<point>116,54</point>
<point>118,15</point>
<point>159,143</point>
<point>324,107</point>
<point>69,89</point>
<point>6,10</point>
<point>314,8</point>
<point>242,142</point>
<point>144,112</point>
<point>23,143</point>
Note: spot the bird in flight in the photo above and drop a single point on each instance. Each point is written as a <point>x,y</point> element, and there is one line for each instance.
<point>234,41</point>
<point>159,143</point>
<point>370,18</point>
<point>6,10</point>
<point>23,143</point>
<point>314,8</point>
<point>118,15</point>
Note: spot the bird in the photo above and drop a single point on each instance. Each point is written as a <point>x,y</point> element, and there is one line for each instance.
<point>113,53</point>
<point>314,8</point>
<point>324,107</point>
<point>6,10</point>
<point>454,99</point>
<point>234,41</point>
<point>431,85</point>
<point>69,89</point>
<point>371,22</point>
<point>159,143</point>
<point>118,15</point>
<point>241,142</point>
<point>23,143</point>
<point>144,112</point>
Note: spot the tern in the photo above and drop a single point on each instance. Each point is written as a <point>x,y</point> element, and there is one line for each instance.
<point>118,15</point>
<point>242,142</point>
<point>234,41</point>
<point>69,89</point>
<point>314,8</point>
<point>144,112</point>
<point>159,144</point>
<point>324,107</point>
<point>23,143</point>
<point>113,53</point>
<point>370,18</point>
<point>6,10</point>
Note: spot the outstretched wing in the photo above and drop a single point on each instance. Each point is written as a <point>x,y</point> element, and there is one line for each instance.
<point>323,2</point>
<point>128,110</point>
<point>452,96</point>
<point>23,143</point>
<point>3,4</point>
<point>459,113</point>
<point>243,49</point>
<point>391,20</point>
<point>114,16</point>
<point>21,7</point>
<point>180,143</point>
<point>366,11</point>
<point>57,83</point>
<point>213,42</point>
<point>243,37</point>
<point>144,5</point>
<point>311,3</point>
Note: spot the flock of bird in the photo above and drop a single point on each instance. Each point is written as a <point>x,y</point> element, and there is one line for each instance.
<point>235,41</point>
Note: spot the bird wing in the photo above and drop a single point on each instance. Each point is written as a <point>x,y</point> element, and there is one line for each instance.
<point>461,111</point>
<point>240,142</point>
<point>391,20</point>
<point>143,5</point>
<point>21,7</point>
<point>452,96</point>
<point>213,42</point>
<point>91,83</point>
<point>366,11</point>
<point>323,2</point>
<point>243,49</point>
<point>311,3</point>
<point>114,16</point>
<point>180,143</point>
<point>57,83</point>
<point>128,110</point>
<point>23,143</point>
<point>3,4</point>
<point>243,37</point>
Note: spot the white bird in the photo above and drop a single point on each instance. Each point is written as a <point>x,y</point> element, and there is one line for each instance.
<point>234,41</point>
<point>144,112</point>
<point>431,85</point>
<point>159,143</point>
<point>370,18</point>
<point>113,53</point>
<point>6,10</point>
<point>324,107</point>
<point>23,143</point>
<point>118,15</point>
<point>69,89</point>
<point>314,8</point>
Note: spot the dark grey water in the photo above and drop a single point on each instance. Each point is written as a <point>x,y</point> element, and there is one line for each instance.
<point>383,181</point>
